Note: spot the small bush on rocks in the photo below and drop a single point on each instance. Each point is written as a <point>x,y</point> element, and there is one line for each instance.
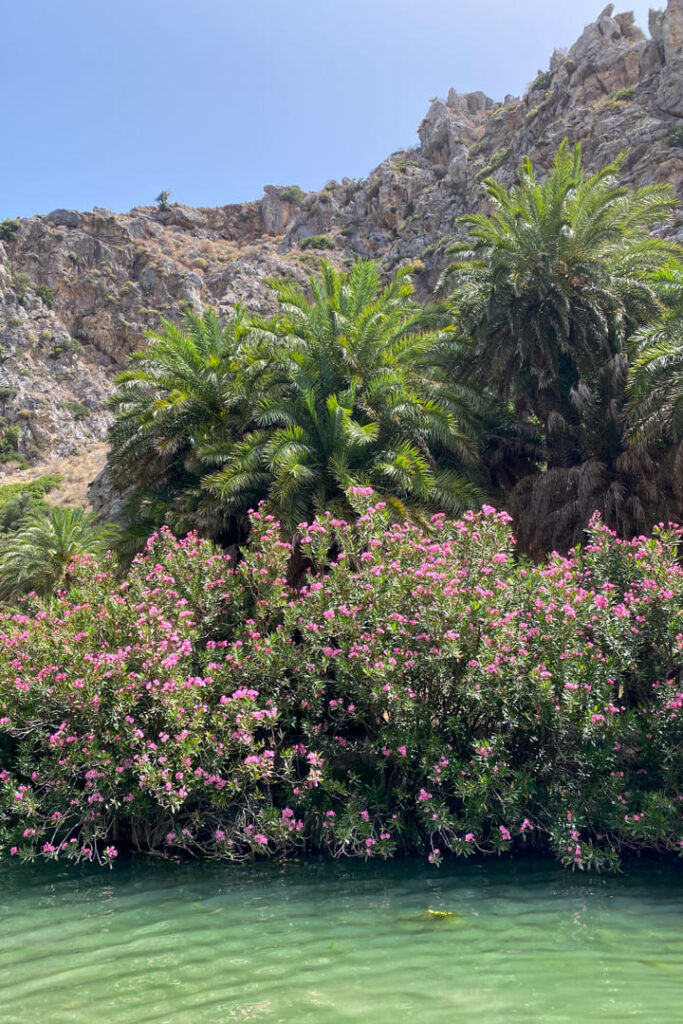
<point>316,242</point>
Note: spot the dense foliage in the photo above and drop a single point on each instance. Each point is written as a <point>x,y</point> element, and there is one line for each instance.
<point>546,381</point>
<point>424,691</point>
<point>334,390</point>
<point>19,499</point>
<point>551,286</point>
<point>366,676</point>
<point>37,556</point>
<point>656,379</point>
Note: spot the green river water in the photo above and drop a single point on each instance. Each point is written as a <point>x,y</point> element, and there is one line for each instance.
<point>316,943</point>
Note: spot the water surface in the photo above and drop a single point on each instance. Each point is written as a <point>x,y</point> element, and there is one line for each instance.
<point>318,943</point>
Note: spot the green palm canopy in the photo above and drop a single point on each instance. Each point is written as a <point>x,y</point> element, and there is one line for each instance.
<point>38,555</point>
<point>195,383</point>
<point>350,401</point>
<point>655,388</point>
<point>547,290</point>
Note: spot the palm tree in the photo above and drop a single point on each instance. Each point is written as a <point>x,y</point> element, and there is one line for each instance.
<point>195,382</point>
<point>548,289</point>
<point>350,400</point>
<point>38,555</point>
<point>655,385</point>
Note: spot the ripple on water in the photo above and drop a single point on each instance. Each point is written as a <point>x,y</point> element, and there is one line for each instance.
<point>327,943</point>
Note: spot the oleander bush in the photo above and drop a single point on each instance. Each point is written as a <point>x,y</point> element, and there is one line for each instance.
<point>425,690</point>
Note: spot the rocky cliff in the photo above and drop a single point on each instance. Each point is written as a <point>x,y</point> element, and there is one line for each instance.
<point>79,290</point>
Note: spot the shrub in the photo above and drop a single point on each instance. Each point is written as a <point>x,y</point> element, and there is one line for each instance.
<point>316,242</point>
<point>496,161</point>
<point>9,443</point>
<point>423,691</point>
<point>46,294</point>
<point>78,410</point>
<point>162,200</point>
<point>542,81</point>
<point>20,284</point>
<point>19,499</point>
<point>675,136</point>
<point>622,95</point>
<point>8,230</point>
<point>403,165</point>
<point>63,345</point>
<point>292,194</point>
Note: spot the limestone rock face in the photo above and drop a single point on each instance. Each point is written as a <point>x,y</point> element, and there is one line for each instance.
<point>278,206</point>
<point>672,29</point>
<point>64,218</point>
<point>670,91</point>
<point>79,290</point>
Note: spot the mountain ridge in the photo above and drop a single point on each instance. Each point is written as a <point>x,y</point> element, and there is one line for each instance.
<point>78,290</point>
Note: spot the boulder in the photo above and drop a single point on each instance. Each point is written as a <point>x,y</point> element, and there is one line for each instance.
<point>64,218</point>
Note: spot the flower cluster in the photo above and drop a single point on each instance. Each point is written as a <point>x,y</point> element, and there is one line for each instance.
<point>424,689</point>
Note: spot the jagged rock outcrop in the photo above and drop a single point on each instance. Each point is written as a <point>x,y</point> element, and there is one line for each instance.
<point>78,290</point>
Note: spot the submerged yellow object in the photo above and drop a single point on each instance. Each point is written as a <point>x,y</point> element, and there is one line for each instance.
<point>434,915</point>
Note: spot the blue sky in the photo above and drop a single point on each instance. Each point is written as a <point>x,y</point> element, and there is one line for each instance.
<point>106,103</point>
